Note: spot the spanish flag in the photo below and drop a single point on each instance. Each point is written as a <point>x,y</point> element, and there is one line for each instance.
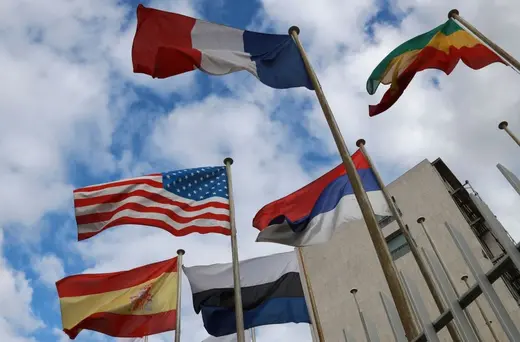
<point>134,303</point>
<point>440,48</point>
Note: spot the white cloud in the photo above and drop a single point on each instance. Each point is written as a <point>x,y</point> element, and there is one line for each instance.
<point>17,320</point>
<point>49,268</point>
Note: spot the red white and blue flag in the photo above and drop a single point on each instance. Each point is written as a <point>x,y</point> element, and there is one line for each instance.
<point>167,44</point>
<point>180,202</point>
<point>313,213</point>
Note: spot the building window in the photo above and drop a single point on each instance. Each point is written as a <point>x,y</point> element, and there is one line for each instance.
<point>385,221</point>
<point>397,245</point>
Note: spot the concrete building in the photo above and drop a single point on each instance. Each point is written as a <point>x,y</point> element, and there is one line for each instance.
<point>349,260</point>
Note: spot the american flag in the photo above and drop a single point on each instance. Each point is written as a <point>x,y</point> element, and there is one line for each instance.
<point>181,202</point>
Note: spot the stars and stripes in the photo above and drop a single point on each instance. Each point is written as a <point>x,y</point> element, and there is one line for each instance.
<point>181,202</point>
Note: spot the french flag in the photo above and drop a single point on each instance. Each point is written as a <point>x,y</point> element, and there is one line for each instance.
<point>313,213</point>
<point>168,44</point>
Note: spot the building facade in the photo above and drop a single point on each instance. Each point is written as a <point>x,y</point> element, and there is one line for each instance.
<point>348,261</point>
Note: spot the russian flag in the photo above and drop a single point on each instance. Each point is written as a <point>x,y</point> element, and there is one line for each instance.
<point>313,213</point>
<point>168,44</point>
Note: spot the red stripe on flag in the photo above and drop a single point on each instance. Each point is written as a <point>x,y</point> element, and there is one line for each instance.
<point>145,181</point>
<point>299,203</point>
<point>89,284</point>
<point>117,325</point>
<point>114,198</point>
<point>159,224</point>
<point>102,217</point>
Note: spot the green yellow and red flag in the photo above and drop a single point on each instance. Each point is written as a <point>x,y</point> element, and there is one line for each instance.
<point>440,48</point>
<point>134,303</point>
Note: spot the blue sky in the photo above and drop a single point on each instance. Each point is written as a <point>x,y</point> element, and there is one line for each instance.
<point>74,114</point>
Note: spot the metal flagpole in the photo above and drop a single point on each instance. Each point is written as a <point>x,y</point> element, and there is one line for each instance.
<point>180,253</point>
<point>381,248</point>
<point>314,309</point>
<point>146,339</point>
<point>239,314</point>
<point>421,220</point>
<point>253,335</point>
<point>503,125</point>
<point>464,278</point>
<point>454,14</point>
<point>361,316</point>
<point>511,177</point>
<point>411,242</point>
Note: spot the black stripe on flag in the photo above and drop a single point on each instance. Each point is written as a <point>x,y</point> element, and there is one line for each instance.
<point>289,285</point>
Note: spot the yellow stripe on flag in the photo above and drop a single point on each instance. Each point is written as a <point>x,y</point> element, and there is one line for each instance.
<point>152,297</point>
<point>440,42</point>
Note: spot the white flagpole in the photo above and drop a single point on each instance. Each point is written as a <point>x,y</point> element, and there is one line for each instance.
<point>317,334</point>
<point>239,314</point>
<point>180,253</point>
<point>503,126</point>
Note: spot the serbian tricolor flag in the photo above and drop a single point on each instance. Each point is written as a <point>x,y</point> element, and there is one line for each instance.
<point>134,303</point>
<point>313,213</point>
<point>168,44</point>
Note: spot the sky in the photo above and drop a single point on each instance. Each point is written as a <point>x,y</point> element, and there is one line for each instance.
<point>73,113</point>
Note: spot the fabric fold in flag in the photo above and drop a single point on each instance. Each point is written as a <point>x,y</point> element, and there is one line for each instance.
<point>181,202</point>
<point>271,288</point>
<point>313,213</point>
<point>134,303</point>
<point>167,44</point>
<point>440,48</point>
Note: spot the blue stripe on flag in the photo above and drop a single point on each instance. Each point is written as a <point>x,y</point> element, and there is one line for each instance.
<point>331,196</point>
<point>278,61</point>
<point>221,321</point>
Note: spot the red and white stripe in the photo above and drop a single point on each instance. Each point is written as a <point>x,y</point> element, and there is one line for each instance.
<point>144,201</point>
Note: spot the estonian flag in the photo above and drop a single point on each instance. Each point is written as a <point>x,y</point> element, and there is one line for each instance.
<point>272,293</point>
<point>312,214</point>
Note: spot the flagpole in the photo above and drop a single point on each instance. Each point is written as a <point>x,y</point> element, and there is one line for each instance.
<point>409,239</point>
<point>314,308</point>
<point>180,253</point>
<point>503,126</point>
<point>454,14</point>
<point>253,335</point>
<point>239,314</point>
<point>464,278</point>
<point>381,248</point>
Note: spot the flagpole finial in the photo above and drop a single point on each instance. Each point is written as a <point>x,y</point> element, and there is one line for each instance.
<point>502,125</point>
<point>294,28</point>
<point>353,291</point>
<point>464,277</point>
<point>421,219</point>
<point>228,161</point>
<point>452,13</point>
<point>360,142</point>
<point>181,252</point>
